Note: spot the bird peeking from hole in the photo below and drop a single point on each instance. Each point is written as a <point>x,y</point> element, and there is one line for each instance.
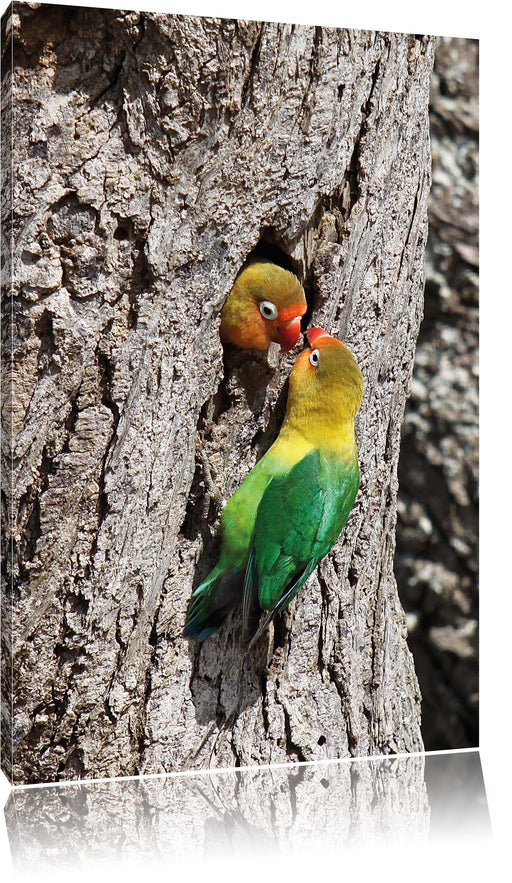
<point>265,304</point>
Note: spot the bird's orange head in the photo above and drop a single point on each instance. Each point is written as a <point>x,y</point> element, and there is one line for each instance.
<point>265,304</point>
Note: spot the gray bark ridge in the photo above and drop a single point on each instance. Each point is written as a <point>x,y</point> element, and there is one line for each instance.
<point>147,168</point>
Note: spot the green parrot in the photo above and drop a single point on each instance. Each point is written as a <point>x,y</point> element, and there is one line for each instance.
<point>290,509</point>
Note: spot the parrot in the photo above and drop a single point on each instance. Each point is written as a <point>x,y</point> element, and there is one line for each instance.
<point>293,504</point>
<point>265,304</point>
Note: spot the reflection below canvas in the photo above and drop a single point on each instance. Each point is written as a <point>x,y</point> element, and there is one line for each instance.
<point>396,801</point>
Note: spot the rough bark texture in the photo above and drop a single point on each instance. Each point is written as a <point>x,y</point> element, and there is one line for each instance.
<point>152,154</point>
<point>437,536</point>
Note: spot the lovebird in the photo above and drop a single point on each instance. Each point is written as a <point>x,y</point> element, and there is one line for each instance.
<point>266,303</point>
<point>291,507</point>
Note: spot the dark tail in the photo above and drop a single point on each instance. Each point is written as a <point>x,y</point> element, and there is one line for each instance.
<point>212,601</point>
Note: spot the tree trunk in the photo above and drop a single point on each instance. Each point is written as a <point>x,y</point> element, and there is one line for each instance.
<point>152,154</point>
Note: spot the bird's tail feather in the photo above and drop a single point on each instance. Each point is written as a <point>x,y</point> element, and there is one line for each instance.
<point>212,601</point>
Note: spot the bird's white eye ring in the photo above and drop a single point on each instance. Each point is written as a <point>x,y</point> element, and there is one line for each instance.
<point>268,310</point>
<point>314,357</point>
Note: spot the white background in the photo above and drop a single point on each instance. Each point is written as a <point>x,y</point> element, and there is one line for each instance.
<point>489,22</point>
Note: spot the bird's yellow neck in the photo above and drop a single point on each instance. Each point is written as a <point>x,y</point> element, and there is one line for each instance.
<point>323,400</point>
<point>319,428</point>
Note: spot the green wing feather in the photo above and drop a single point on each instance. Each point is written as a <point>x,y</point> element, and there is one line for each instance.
<point>299,518</point>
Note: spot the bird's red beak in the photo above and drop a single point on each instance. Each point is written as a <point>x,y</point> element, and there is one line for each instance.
<point>313,334</point>
<point>288,334</point>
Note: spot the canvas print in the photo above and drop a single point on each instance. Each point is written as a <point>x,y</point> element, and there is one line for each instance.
<point>215,247</point>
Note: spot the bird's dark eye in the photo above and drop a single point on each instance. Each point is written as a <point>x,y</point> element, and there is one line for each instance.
<point>268,310</point>
<point>314,357</point>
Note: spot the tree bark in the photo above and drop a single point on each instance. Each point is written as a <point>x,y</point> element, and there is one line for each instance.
<point>152,154</point>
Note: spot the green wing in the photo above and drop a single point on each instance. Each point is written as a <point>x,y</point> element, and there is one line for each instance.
<point>299,518</point>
